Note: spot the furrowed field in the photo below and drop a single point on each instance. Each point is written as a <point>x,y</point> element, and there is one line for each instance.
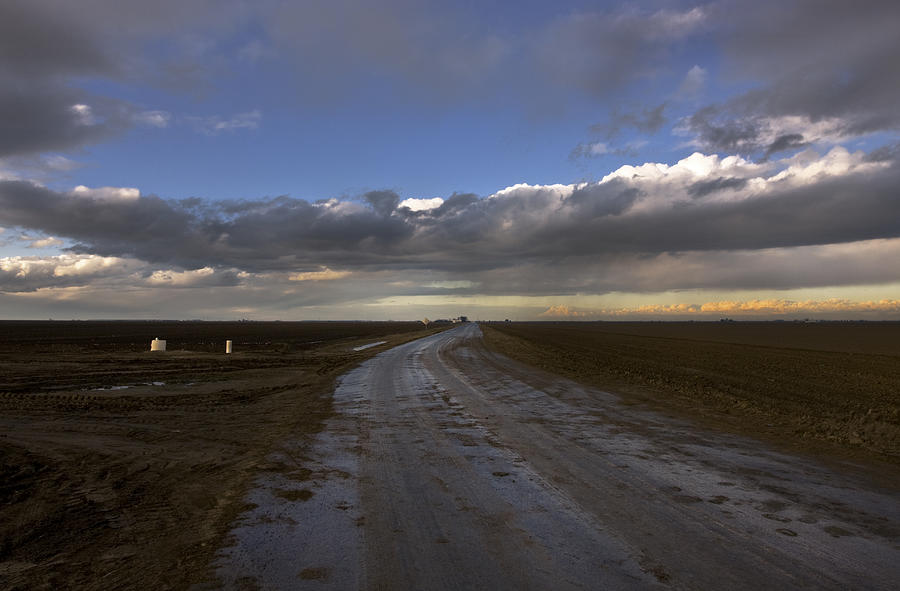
<point>825,386</point>
<point>119,465</point>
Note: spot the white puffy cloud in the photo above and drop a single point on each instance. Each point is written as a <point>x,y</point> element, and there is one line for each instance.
<point>558,191</point>
<point>107,193</point>
<point>64,271</point>
<point>19,273</point>
<point>82,265</point>
<point>695,167</point>
<point>47,242</point>
<point>703,222</point>
<point>809,167</point>
<point>708,178</point>
<point>703,202</point>
<point>414,204</point>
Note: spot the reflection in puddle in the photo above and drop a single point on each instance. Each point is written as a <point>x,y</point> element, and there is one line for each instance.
<point>364,347</point>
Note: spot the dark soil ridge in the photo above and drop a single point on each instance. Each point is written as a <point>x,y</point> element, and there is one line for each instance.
<point>842,404</point>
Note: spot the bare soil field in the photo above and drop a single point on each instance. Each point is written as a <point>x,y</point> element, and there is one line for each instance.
<point>449,466</point>
<point>121,468</point>
<point>830,388</point>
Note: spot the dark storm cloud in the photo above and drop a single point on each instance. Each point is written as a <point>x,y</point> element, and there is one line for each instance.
<point>824,57</point>
<point>456,203</point>
<point>884,154</point>
<point>383,202</point>
<point>289,232</point>
<point>519,225</point>
<point>704,188</point>
<point>417,43</point>
<point>788,141</point>
<point>648,120</point>
<point>720,132</point>
<point>456,51</point>
<point>48,46</point>
<point>717,129</point>
<point>609,199</point>
<point>280,233</point>
<point>827,61</point>
<point>128,227</point>
<point>39,49</point>
<point>855,264</point>
<point>818,59</point>
<point>831,211</point>
<point>36,42</point>
<point>600,53</point>
<point>38,117</point>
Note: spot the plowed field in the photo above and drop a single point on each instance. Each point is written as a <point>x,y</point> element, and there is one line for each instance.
<point>120,466</point>
<point>832,387</point>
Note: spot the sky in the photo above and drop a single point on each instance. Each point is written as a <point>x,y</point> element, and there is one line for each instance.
<point>401,159</point>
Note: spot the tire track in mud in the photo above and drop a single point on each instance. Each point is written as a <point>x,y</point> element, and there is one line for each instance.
<point>458,510</point>
<point>665,486</point>
<point>460,469</point>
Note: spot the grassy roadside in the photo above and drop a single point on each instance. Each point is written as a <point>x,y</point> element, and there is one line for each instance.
<point>838,403</point>
<point>110,490</point>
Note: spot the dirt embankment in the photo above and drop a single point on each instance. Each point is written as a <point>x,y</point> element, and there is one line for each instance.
<point>824,387</point>
<point>104,486</point>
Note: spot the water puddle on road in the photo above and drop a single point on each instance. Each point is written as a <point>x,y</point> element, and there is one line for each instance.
<point>303,529</point>
<point>443,469</point>
<point>369,345</point>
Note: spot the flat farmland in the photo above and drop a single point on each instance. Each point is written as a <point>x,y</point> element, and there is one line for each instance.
<point>119,465</point>
<point>825,387</point>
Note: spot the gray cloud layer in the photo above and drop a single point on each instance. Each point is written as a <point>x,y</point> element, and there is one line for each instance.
<point>525,224</point>
<point>818,68</point>
<point>48,46</point>
<point>822,60</point>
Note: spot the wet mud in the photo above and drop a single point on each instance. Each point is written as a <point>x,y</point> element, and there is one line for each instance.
<point>448,466</point>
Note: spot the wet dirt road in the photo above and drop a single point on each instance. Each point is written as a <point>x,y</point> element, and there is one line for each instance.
<point>449,467</point>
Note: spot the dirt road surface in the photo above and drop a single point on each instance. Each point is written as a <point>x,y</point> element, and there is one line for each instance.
<point>450,467</point>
